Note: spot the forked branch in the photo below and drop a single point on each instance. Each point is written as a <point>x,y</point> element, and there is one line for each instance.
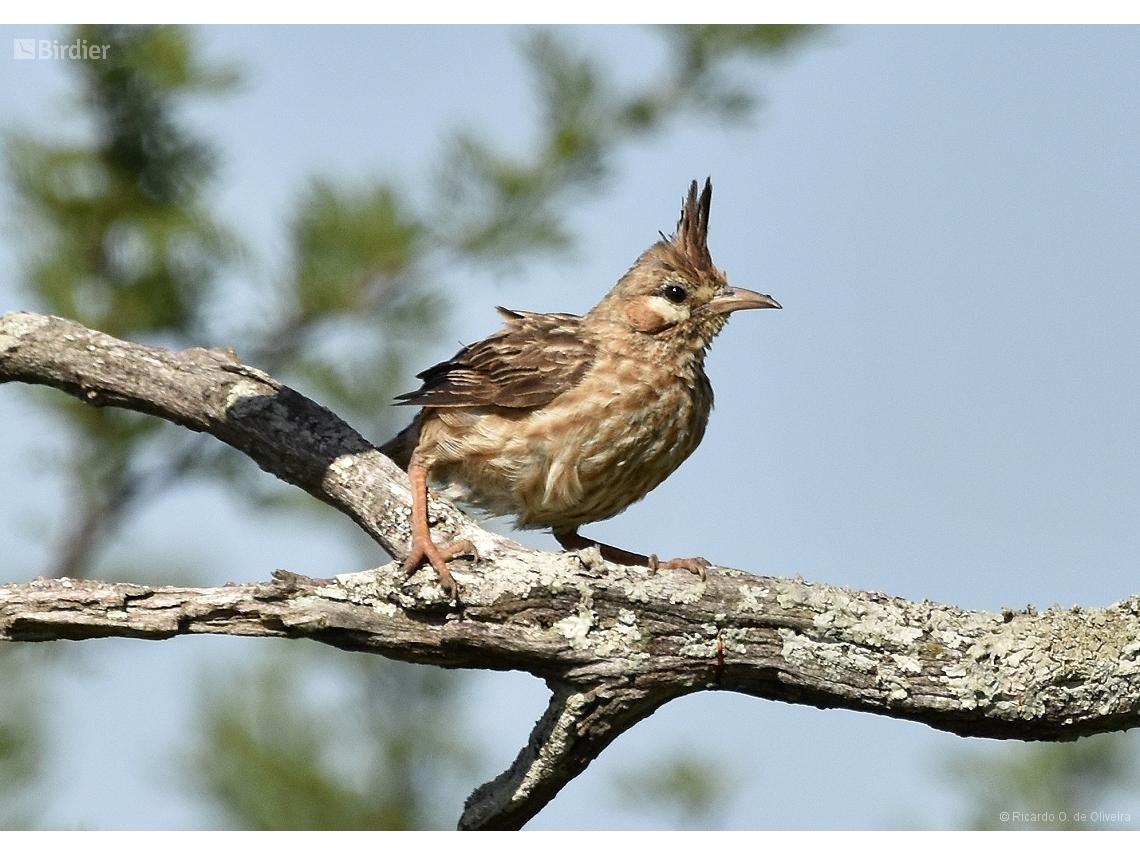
<point>613,642</point>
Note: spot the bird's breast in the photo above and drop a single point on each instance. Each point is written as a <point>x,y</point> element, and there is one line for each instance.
<point>586,455</point>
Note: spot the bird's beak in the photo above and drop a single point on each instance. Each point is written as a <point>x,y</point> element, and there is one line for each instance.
<point>732,299</point>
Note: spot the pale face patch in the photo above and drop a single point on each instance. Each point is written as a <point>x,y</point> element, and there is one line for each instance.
<point>653,313</point>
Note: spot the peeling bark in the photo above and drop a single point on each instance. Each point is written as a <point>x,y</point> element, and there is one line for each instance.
<point>613,642</point>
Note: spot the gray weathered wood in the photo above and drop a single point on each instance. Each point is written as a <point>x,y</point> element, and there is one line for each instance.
<point>614,643</point>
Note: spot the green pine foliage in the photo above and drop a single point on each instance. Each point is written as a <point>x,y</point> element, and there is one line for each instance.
<point>116,230</point>
<point>318,743</point>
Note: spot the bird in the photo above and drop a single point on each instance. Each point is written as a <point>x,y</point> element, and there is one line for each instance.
<point>562,420</point>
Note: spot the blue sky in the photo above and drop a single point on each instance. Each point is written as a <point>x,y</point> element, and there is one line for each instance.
<point>946,408</point>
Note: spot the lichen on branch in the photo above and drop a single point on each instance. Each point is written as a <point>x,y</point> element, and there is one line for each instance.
<point>613,642</point>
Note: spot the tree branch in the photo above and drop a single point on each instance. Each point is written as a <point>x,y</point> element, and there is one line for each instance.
<point>577,725</point>
<point>210,391</point>
<point>613,642</point>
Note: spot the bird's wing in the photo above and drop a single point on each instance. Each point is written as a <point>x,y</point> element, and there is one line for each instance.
<point>528,364</point>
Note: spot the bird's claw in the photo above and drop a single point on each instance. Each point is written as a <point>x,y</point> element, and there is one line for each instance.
<point>438,556</point>
<point>696,566</point>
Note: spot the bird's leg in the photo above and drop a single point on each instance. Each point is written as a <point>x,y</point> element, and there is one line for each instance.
<point>423,548</point>
<point>570,539</point>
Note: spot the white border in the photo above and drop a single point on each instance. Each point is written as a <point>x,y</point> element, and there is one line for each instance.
<point>590,11</point>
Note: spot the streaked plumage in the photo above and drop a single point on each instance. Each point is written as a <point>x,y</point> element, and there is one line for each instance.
<point>560,420</point>
<point>528,364</point>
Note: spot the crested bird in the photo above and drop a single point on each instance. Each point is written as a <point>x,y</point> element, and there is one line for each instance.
<point>560,420</point>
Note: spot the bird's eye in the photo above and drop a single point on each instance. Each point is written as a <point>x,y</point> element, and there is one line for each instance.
<point>674,293</point>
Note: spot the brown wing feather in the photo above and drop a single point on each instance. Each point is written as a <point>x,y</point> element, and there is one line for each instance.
<point>528,364</point>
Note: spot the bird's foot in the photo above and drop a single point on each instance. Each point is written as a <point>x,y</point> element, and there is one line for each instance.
<point>425,549</point>
<point>697,566</point>
<point>572,540</point>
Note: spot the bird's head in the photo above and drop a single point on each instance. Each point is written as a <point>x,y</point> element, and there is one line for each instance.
<point>674,292</point>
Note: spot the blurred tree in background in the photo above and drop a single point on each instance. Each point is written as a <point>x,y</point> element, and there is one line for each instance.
<point>116,232</point>
<point>1063,785</point>
<point>325,744</point>
<point>115,235</point>
<point>20,740</point>
<point>695,791</point>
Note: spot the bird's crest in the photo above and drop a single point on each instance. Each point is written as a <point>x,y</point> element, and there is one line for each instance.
<point>691,240</point>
